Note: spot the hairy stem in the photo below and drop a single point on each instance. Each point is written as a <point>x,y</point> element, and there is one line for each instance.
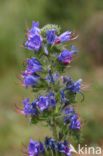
<point>53,128</point>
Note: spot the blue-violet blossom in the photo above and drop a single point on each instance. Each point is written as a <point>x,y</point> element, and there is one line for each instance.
<point>30,108</point>
<point>64,37</point>
<point>51,36</point>
<point>71,86</point>
<point>65,56</point>
<point>35,148</point>
<point>34,39</point>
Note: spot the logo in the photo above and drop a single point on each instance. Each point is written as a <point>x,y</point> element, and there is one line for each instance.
<point>86,150</point>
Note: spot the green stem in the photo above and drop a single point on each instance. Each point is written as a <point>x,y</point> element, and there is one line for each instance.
<point>53,127</point>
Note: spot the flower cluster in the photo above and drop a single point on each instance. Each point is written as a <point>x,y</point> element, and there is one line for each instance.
<point>36,148</point>
<point>44,74</point>
<point>53,38</point>
<point>35,38</point>
<point>51,78</point>
<point>39,104</point>
<point>30,76</point>
<point>60,147</point>
<point>72,119</point>
<point>70,87</point>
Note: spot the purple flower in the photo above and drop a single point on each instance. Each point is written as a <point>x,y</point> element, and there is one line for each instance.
<point>63,98</point>
<point>71,86</point>
<point>30,79</point>
<point>65,37</point>
<point>30,108</point>
<point>50,143</point>
<point>50,78</point>
<point>51,100</point>
<point>60,147</point>
<point>42,103</point>
<point>53,144</point>
<point>41,148</point>
<point>67,151</point>
<point>55,76</point>
<point>33,65</point>
<point>71,118</point>
<point>73,50</point>
<point>35,28</point>
<point>34,42</point>
<point>69,112</point>
<point>51,36</point>
<point>47,142</point>
<point>77,86</point>
<point>65,56</point>
<point>75,123</point>
<point>35,148</point>
<point>34,39</point>
<point>46,102</point>
<point>65,105</point>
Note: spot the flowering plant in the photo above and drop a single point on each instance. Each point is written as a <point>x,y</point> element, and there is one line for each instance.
<point>44,73</point>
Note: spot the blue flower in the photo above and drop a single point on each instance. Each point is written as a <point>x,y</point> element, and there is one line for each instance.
<point>51,36</point>
<point>77,86</point>
<point>34,39</point>
<point>69,112</point>
<point>64,106</point>
<point>34,43</point>
<point>50,143</point>
<point>29,75</point>
<point>41,148</point>
<point>51,100</point>
<point>64,37</point>
<point>32,148</point>
<point>63,147</point>
<point>35,28</point>
<point>42,103</point>
<point>63,98</point>
<point>55,76</point>
<point>30,79</point>
<point>35,148</point>
<point>46,102</point>
<point>71,118</point>
<point>33,65</point>
<point>30,108</point>
<point>67,151</point>
<point>53,144</point>
<point>60,147</point>
<point>47,142</point>
<point>51,78</point>
<point>73,50</point>
<point>71,86</point>
<point>65,56</point>
<point>75,123</point>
